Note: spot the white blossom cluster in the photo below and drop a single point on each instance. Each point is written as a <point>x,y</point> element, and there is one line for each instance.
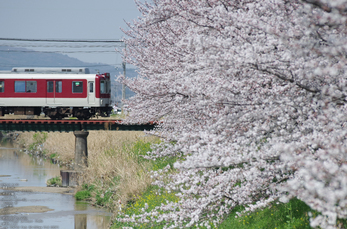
<point>251,95</point>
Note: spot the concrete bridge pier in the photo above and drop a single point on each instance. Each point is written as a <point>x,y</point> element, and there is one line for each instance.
<point>81,150</point>
<point>71,177</point>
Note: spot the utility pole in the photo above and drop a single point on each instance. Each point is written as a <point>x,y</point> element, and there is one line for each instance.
<point>123,85</point>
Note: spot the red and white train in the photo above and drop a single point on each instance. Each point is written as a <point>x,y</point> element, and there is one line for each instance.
<point>57,92</point>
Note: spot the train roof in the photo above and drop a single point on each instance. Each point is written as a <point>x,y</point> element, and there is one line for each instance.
<point>51,76</point>
<point>49,70</point>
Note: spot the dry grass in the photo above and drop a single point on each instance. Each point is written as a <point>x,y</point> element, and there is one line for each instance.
<point>119,172</point>
<point>111,161</point>
<point>63,144</point>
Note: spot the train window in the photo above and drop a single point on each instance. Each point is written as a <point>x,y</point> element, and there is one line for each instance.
<point>50,86</point>
<point>77,87</point>
<point>91,87</point>
<point>31,86</point>
<point>58,86</point>
<point>25,86</point>
<point>2,86</point>
<point>19,86</point>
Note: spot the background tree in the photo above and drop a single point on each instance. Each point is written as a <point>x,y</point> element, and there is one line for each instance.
<point>253,94</point>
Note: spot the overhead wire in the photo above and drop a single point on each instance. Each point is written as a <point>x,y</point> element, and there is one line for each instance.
<point>61,40</point>
<point>47,43</point>
<point>64,46</point>
<point>76,66</point>
<point>33,51</point>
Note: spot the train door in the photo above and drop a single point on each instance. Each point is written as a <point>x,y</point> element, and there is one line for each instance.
<point>91,92</point>
<point>54,89</point>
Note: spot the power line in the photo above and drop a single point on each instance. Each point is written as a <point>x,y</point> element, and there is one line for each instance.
<point>72,66</point>
<point>60,45</point>
<point>29,51</point>
<point>58,40</point>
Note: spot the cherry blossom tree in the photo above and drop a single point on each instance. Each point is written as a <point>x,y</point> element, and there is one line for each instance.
<point>251,97</point>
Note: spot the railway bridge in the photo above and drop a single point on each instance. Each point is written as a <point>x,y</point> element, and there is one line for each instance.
<point>70,125</point>
<point>80,129</point>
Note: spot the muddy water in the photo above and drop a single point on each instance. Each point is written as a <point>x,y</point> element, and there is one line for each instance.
<point>42,209</point>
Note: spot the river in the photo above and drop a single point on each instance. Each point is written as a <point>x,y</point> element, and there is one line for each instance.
<point>54,210</point>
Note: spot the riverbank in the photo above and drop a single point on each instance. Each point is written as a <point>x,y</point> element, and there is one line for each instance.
<point>113,170</point>
<point>60,190</point>
<point>26,209</point>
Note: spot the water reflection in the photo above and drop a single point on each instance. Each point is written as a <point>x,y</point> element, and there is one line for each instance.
<point>19,169</point>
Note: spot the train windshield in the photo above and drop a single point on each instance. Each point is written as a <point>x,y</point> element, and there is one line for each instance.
<point>105,87</point>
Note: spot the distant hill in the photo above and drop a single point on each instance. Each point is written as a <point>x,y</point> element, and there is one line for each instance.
<point>10,57</point>
<point>20,57</point>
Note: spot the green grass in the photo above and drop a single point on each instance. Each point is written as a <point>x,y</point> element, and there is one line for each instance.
<point>293,214</point>
<point>40,137</point>
<point>54,181</point>
<point>140,149</point>
<point>153,197</point>
<point>85,193</point>
<point>103,198</point>
<point>53,155</point>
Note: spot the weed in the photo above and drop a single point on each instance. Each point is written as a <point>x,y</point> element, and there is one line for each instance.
<point>55,181</point>
<point>53,155</point>
<point>40,137</point>
<point>140,149</point>
<point>38,140</point>
<point>103,199</point>
<point>45,152</point>
<point>85,193</point>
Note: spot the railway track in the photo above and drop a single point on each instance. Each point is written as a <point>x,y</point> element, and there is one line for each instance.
<point>68,125</point>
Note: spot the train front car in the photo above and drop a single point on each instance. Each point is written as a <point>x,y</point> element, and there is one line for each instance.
<point>91,96</point>
<point>103,94</point>
<point>56,95</point>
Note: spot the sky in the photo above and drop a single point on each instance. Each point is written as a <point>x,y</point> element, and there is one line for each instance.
<point>70,20</point>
